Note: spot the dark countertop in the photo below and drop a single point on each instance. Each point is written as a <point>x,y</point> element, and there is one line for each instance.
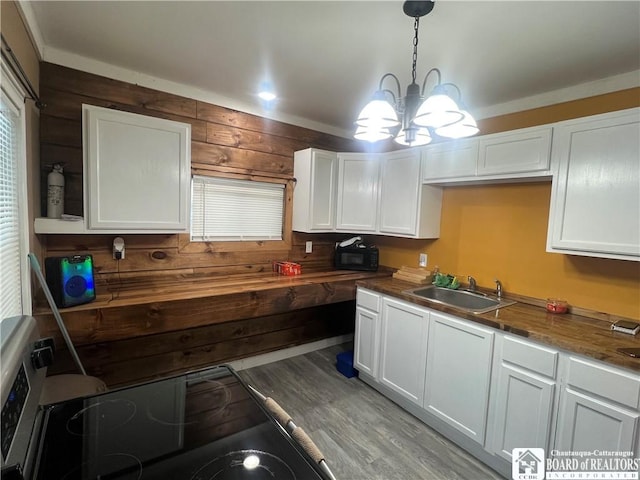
<point>185,287</point>
<point>574,333</point>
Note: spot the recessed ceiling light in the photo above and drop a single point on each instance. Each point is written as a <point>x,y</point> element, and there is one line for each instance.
<point>268,96</point>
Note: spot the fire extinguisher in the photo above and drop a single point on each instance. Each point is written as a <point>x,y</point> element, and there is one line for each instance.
<point>55,192</point>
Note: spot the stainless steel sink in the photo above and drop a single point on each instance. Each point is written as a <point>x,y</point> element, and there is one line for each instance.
<point>474,302</point>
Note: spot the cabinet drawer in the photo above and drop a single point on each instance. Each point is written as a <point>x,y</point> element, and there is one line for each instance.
<point>605,381</point>
<point>369,300</point>
<point>532,357</point>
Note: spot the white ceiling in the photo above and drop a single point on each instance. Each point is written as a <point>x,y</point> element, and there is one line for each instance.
<point>325,58</point>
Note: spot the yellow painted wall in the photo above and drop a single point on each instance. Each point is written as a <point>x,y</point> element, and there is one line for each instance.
<point>500,231</point>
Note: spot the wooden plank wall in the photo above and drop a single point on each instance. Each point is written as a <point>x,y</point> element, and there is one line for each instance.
<point>224,141</point>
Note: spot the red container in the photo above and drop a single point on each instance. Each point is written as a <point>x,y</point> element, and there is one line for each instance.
<point>557,306</point>
<point>287,268</point>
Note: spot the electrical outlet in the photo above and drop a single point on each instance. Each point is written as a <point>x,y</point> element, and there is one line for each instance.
<point>423,260</point>
<point>308,247</point>
<point>118,248</point>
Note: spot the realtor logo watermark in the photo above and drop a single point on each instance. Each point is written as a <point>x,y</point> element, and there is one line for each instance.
<point>528,464</point>
<point>533,464</point>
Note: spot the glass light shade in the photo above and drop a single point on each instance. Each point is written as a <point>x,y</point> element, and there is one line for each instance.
<point>464,128</point>
<point>371,134</point>
<point>378,114</point>
<point>422,138</point>
<point>436,111</point>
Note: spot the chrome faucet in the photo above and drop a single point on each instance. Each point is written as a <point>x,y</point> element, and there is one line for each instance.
<point>498,288</point>
<point>472,283</point>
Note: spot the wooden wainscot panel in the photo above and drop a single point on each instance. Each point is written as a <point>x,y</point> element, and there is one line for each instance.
<point>153,305</point>
<point>244,160</point>
<point>90,85</point>
<point>70,157</point>
<point>305,137</point>
<point>131,360</point>
<point>251,140</point>
<point>68,105</point>
<point>68,244</point>
<point>60,131</point>
<point>131,321</point>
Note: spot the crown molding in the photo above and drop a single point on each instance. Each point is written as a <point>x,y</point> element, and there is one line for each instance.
<point>584,90</point>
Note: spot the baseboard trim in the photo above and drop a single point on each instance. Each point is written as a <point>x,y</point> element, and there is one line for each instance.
<point>285,353</point>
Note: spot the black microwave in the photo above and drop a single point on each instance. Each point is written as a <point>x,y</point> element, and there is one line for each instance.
<point>357,258</point>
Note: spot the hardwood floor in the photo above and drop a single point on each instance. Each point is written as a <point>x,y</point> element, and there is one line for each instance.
<point>363,435</point>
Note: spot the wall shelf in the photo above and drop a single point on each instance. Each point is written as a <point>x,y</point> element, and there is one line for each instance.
<point>55,225</point>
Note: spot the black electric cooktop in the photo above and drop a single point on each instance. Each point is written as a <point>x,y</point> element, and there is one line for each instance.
<point>199,426</point>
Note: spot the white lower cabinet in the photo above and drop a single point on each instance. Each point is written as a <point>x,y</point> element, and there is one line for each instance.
<point>598,408</point>
<point>490,391</point>
<point>365,356</point>
<point>523,396</point>
<point>367,332</point>
<point>403,348</point>
<point>458,374</point>
<point>589,424</point>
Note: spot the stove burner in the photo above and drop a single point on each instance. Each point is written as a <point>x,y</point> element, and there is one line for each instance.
<point>209,395</point>
<point>101,417</point>
<point>122,465</point>
<point>243,464</point>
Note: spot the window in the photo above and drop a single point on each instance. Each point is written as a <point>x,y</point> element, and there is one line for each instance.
<point>225,209</point>
<point>14,271</point>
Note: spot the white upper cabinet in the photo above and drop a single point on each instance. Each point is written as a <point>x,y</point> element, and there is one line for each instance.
<point>407,208</point>
<point>314,205</point>
<point>450,160</point>
<point>527,150</point>
<point>137,172</point>
<point>364,193</point>
<point>358,180</point>
<point>595,199</point>
<point>516,155</point>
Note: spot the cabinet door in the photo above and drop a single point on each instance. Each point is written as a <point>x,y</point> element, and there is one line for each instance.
<point>403,348</point>
<point>400,192</point>
<point>315,191</point>
<point>357,193</point>
<point>449,160</point>
<point>366,343</point>
<point>526,150</point>
<point>137,172</point>
<point>587,424</point>
<point>458,374</point>
<point>523,410</point>
<point>595,200</point>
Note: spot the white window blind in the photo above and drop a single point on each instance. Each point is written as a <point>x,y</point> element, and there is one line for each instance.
<point>10,251</point>
<point>236,210</point>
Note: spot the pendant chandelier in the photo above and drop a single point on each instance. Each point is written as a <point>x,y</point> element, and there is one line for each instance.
<point>413,119</point>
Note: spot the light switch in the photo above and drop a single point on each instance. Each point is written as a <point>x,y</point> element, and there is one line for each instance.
<point>308,247</point>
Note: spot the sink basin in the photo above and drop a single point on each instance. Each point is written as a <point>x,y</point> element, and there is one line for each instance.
<point>473,302</point>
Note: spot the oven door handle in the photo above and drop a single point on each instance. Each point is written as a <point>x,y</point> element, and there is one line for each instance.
<point>298,434</point>
<point>312,449</point>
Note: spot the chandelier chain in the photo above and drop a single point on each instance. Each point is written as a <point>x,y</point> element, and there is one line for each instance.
<point>416,24</point>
